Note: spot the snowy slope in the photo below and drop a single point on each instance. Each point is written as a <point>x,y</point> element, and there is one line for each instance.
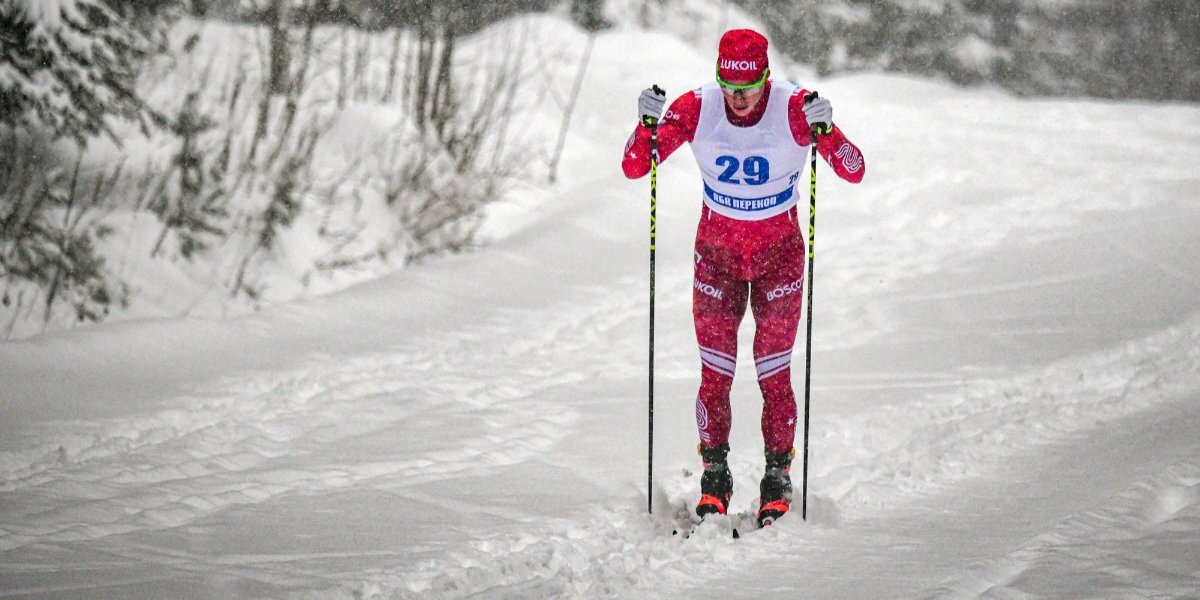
<point>1005,386</point>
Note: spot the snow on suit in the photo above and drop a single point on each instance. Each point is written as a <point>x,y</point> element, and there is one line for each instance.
<point>750,243</point>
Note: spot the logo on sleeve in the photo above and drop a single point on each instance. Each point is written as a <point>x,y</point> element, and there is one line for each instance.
<point>851,159</point>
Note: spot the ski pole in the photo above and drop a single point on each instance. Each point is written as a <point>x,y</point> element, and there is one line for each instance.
<point>652,123</point>
<point>812,235</point>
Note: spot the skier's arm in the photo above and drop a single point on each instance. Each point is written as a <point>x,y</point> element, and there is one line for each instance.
<point>677,126</point>
<point>842,155</point>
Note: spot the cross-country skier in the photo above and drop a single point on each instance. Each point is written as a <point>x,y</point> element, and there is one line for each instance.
<point>750,135</point>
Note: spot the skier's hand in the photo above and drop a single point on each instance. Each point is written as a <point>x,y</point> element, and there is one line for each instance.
<point>650,105</point>
<point>819,113</point>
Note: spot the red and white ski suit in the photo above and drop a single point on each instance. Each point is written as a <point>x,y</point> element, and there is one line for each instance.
<point>743,256</point>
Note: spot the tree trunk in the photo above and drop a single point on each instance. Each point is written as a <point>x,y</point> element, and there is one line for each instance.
<point>443,92</point>
<point>280,51</point>
<point>395,57</point>
<point>421,89</point>
<point>570,108</point>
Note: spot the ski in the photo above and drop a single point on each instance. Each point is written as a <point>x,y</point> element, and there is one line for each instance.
<point>687,532</point>
<point>735,524</point>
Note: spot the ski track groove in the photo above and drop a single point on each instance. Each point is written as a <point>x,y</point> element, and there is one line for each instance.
<point>915,450</point>
<point>923,446</point>
<point>1154,514</point>
<point>236,444</point>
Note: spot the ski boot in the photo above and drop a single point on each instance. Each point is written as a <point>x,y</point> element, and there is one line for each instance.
<point>775,490</point>
<point>716,484</point>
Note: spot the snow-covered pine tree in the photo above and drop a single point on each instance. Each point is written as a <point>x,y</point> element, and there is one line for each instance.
<point>67,65</point>
<point>48,260</point>
<point>66,68</point>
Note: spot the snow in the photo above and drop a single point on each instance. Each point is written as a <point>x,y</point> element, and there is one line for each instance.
<point>1004,402</point>
<point>47,14</point>
<point>976,54</point>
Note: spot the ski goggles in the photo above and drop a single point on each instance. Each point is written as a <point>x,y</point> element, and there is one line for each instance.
<point>744,88</point>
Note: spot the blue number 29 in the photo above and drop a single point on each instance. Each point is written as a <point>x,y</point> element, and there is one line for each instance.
<point>756,169</point>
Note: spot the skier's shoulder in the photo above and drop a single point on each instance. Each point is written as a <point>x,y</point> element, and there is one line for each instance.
<point>686,108</point>
<point>798,94</point>
<point>689,99</point>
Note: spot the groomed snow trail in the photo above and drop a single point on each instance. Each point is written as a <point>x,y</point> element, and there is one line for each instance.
<point>992,411</point>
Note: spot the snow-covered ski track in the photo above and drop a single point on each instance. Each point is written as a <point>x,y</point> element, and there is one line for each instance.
<point>308,431</point>
<point>919,452</point>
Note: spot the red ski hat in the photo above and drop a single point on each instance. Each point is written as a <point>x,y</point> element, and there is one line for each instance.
<point>742,56</point>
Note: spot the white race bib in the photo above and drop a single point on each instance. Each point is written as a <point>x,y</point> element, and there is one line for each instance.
<point>750,173</point>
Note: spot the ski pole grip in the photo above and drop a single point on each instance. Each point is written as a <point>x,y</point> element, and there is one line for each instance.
<point>651,122</point>
<point>817,128</point>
